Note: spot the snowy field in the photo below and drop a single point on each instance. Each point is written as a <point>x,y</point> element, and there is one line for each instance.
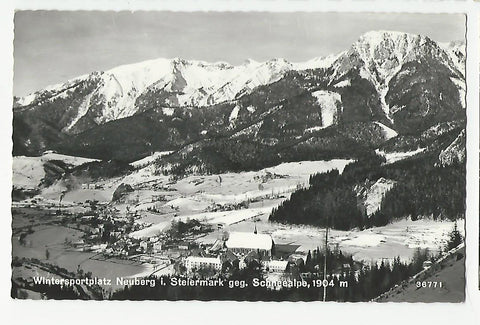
<point>195,196</point>
<point>399,238</point>
<point>28,171</point>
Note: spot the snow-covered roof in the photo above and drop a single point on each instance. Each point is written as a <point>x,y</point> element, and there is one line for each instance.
<point>249,240</point>
<point>200,259</point>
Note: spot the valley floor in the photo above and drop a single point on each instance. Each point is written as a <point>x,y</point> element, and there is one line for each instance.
<point>230,202</point>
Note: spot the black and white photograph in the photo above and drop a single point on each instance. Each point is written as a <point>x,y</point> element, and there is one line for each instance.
<point>239,156</point>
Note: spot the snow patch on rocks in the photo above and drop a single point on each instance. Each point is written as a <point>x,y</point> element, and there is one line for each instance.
<point>330,103</point>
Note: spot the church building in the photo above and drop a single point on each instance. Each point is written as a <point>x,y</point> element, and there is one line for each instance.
<point>246,242</point>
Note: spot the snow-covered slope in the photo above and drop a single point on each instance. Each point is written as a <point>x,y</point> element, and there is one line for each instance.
<point>330,104</point>
<point>391,157</point>
<point>197,83</point>
<point>28,172</point>
<point>455,152</point>
<point>388,133</point>
<point>149,159</point>
<point>372,195</point>
<point>457,52</point>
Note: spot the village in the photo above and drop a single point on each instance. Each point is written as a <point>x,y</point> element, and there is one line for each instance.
<point>105,234</point>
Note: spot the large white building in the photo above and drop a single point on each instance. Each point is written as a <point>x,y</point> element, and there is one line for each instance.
<point>245,242</point>
<point>198,262</point>
<point>275,266</point>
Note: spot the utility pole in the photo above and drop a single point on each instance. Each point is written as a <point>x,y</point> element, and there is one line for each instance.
<point>325,264</point>
<point>60,201</point>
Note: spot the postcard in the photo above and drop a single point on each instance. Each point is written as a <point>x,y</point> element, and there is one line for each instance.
<point>239,156</point>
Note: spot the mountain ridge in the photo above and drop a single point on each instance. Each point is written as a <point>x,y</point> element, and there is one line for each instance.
<point>403,82</point>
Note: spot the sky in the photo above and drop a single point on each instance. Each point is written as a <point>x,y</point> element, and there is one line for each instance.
<point>53,46</point>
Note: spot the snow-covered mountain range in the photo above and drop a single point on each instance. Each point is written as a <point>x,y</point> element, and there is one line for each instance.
<point>114,93</point>
<point>191,83</point>
<point>390,82</point>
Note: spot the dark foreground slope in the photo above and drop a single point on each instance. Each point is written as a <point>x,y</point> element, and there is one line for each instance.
<point>450,272</point>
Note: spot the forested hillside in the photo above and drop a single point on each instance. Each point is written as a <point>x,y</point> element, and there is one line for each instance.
<point>422,188</point>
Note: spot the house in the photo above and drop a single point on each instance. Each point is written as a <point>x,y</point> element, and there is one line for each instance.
<point>275,266</point>
<point>245,242</point>
<point>144,245</point>
<point>184,246</point>
<point>157,246</point>
<point>197,262</point>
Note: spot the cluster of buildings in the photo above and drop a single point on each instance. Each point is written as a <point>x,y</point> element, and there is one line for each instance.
<point>240,247</point>
<point>111,237</point>
<point>107,233</point>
